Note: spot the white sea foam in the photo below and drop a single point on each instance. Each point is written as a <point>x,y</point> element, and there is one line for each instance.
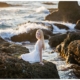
<point>42,9</point>
<point>8,33</point>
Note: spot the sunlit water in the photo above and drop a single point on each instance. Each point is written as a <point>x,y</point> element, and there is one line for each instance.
<point>14,20</point>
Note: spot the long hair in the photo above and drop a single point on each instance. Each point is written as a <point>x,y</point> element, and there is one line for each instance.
<point>42,37</point>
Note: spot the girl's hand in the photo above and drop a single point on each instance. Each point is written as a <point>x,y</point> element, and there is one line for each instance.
<point>41,63</point>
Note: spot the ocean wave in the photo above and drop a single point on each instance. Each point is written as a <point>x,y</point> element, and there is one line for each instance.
<point>8,33</point>
<point>42,9</point>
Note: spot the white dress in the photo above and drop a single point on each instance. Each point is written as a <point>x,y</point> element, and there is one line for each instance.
<point>32,57</point>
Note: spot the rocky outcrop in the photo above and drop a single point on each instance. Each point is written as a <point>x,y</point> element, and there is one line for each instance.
<point>76,70</point>
<point>11,67</point>
<point>68,11</point>
<point>74,52</point>
<point>56,40</point>
<point>61,26</point>
<point>14,68</point>
<point>12,49</point>
<point>77,25</point>
<point>49,3</point>
<point>67,49</point>
<point>3,4</point>
<point>30,36</point>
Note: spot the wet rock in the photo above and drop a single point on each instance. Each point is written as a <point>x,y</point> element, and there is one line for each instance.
<point>52,9</point>
<point>49,3</point>
<point>77,25</point>
<point>76,70</point>
<point>56,40</point>
<point>30,36</point>
<point>61,26</point>
<point>74,52</point>
<point>3,4</point>
<point>12,49</point>
<point>63,48</point>
<point>14,68</point>
<point>66,12</point>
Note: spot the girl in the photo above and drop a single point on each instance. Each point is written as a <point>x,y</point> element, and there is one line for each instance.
<point>36,54</point>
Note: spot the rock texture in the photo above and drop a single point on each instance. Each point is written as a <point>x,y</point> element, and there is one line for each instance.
<point>68,49</point>
<point>12,67</point>
<point>77,25</point>
<point>68,11</point>
<point>57,39</point>
<point>74,52</point>
<point>61,26</point>
<point>3,4</point>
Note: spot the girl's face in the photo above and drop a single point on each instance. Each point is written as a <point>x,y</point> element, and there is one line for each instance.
<point>38,35</point>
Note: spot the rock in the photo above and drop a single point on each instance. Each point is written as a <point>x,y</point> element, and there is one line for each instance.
<point>74,52</point>
<point>61,26</point>
<point>54,16</point>
<point>14,68</point>
<point>68,6</point>
<point>62,48</point>
<point>76,70</point>
<point>52,9</point>
<point>77,25</point>
<point>3,4</point>
<point>30,36</point>
<point>66,12</point>
<point>49,3</point>
<point>56,40</point>
<point>12,49</point>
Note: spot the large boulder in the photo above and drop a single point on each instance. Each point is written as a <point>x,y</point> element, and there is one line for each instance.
<point>30,36</point>
<point>13,67</point>
<point>76,70</point>
<point>68,11</point>
<point>74,52</point>
<point>56,40</point>
<point>64,6</point>
<point>63,48</point>
<point>12,49</point>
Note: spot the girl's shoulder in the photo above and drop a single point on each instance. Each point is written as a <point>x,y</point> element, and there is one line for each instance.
<point>40,42</point>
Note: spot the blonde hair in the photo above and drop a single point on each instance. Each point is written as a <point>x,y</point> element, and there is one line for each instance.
<point>42,37</point>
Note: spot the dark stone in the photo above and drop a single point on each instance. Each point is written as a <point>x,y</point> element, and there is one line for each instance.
<point>12,49</point>
<point>56,40</point>
<point>11,67</point>
<point>49,3</point>
<point>77,25</point>
<point>64,48</point>
<point>61,26</point>
<point>30,36</point>
<point>76,70</point>
<point>74,52</point>
<point>68,11</point>
<point>3,4</point>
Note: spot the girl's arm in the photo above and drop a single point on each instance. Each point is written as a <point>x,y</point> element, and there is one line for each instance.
<point>40,50</point>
